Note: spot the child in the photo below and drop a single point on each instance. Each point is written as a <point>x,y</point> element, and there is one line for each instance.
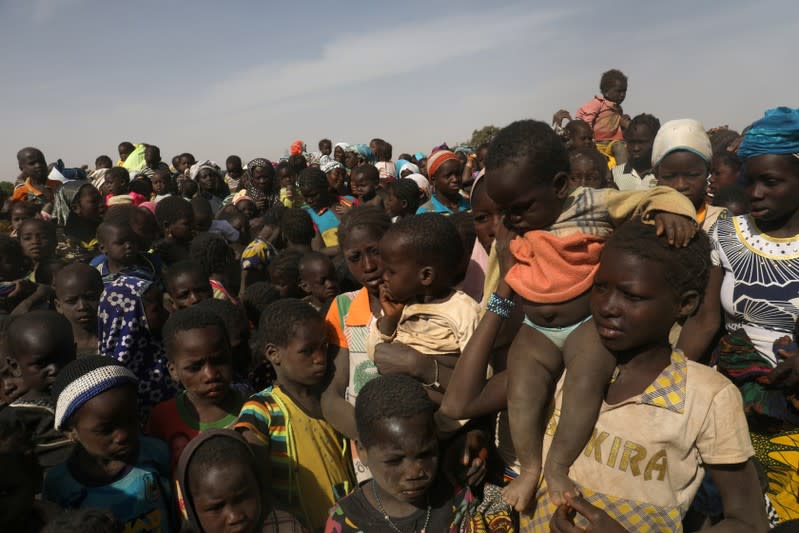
<point>257,255</point>
<point>284,273</point>
<point>322,203</point>
<point>112,466</point>
<point>318,279</point>
<point>220,488</point>
<point>402,198</point>
<point>200,360</point>
<point>18,211</point>
<point>604,114</point>
<point>38,240</point>
<point>186,284</point>
<point>397,440</point>
<point>238,331</point>
<point>125,148</point>
<point>118,180</point>
<point>636,174</point>
<point>365,182</point>
<point>296,448</point>
<point>725,169</point>
<point>22,480</point>
<point>734,199</point>
<point>260,183</point>
<point>587,168</point>
<point>119,245</point>
<point>175,216</point>
<point>17,294</point>
<point>383,152</point>
<point>244,204</point>
<point>664,420</point>
<point>77,294</point>
<point>79,209</point>
<point>297,229</point>
<point>286,177</point>
<point>336,176</point>
<point>681,157</point>
<point>527,177</point>
<point>162,185</point>
<point>255,299</point>
<point>326,147</point>
<point>234,172</point>
<point>41,345</point>
<point>212,254</point>
<point>36,187</point>
<point>444,169</point>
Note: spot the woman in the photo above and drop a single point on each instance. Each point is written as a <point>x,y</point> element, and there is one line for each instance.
<point>755,281</point>
<point>79,209</point>
<point>209,183</point>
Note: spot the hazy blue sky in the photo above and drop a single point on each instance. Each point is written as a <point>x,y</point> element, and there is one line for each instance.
<point>248,77</point>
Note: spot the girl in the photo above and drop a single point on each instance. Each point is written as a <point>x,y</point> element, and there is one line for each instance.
<point>260,183</point>
<point>208,182</point>
<point>38,240</point>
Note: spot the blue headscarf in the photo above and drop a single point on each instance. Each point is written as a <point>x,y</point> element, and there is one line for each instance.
<point>364,151</point>
<point>776,133</point>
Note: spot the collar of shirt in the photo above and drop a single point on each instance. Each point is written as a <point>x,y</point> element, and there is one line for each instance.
<point>667,391</point>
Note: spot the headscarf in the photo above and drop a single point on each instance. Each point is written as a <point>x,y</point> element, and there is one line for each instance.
<point>253,192</point>
<point>313,158</point>
<point>98,177</point>
<point>439,148</point>
<point>330,166</point>
<point>403,164</point>
<point>297,147</point>
<point>776,133</point>
<point>437,159</point>
<point>422,182</point>
<point>343,146</point>
<point>363,151</point>
<point>419,156</point>
<point>240,196</point>
<point>64,197</point>
<point>464,149</point>
<point>123,334</point>
<point>186,500</point>
<point>195,169</point>
<point>683,134</point>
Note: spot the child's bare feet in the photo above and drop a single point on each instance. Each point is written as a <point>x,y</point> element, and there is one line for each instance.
<point>559,483</point>
<point>519,492</point>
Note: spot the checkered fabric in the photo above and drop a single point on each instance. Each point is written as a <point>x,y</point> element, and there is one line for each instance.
<point>668,389</point>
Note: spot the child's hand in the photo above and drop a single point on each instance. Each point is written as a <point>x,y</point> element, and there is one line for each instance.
<point>560,116</point>
<point>505,257</point>
<point>598,520</point>
<point>340,209</point>
<point>679,229</point>
<point>260,203</point>
<point>392,309</point>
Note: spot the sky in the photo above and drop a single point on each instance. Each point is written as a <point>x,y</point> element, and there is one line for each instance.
<point>248,77</point>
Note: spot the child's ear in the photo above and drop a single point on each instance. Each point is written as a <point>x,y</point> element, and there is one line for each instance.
<point>404,204</point>
<point>57,303</point>
<point>561,185</point>
<point>173,372</point>
<point>13,367</point>
<point>689,303</point>
<point>169,303</point>
<point>101,247</point>
<point>363,455</point>
<point>72,434</point>
<point>303,285</point>
<point>427,276</point>
<point>272,354</point>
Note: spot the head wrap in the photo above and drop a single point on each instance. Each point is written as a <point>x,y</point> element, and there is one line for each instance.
<point>439,148</point>
<point>406,165</point>
<point>313,158</point>
<point>464,149</point>
<point>421,182</point>
<point>330,166</point>
<point>343,146</point>
<point>83,379</point>
<point>197,167</point>
<point>258,162</point>
<point>297,147</point>
<point>683,134</point>
<point>437,159</point>
<point>239,196</point>
<point>776,133</point>
<point>64,197</point>
<point>363,151</point>
<point>419,156</point>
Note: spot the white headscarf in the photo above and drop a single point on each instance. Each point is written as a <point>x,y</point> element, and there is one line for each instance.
<point>422,182</point>
<point>682,134</point>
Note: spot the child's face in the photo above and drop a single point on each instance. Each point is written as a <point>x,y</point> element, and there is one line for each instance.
<point>19,213</point>
<point>77,299</point>
<point>124,152</point>
<point>772,183</point>
<point>338,154</point>
<point>362,253</point>
<point>639,140</point>
<point>325,148</point>
<point>401,273</point>
<point>617,92</point>
<point>159,183</point>
<point>89,205</point>
<point>33,165</point>
<point>226,498</point>
<point>248,207</point>
<point>107,426</point>
<point>447,180</point>
<point>584,173</point>
<point>526,202</point>
<point>181,230</point>
<point>487,216</point>
<point>119,186</point>
<point>184,164</point>
<point>581,137</point>
<point>632,303</point>
<point>38,363</point>
<point>319,279</point>
<point>403,459</point>
<point>304,359</point>
<point>36,240</point>
<point>18,487</point>
<point>316,198</point>
<point>188,289</point>
<point>11,385</point>
<point>363,187</point>
<point>393,205</point>
<point>351,160</point>
<point>687,173</point>
<point>121,245</point>
<point>261,179</point>
<point>234,169</point>
<point>286,286</point>
<point>202,363</point>
<point>721,175</point>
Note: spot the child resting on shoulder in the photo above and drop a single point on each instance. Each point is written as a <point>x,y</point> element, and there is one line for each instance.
<point>219,488</point>
<point>200,359</point>
<point>112,466</point>
<point>555,261</point>
<point>397,440</point>
<point>301,454</point>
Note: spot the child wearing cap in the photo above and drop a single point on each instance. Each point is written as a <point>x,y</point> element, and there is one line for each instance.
<point>112,466</point>
<point>444,170</point>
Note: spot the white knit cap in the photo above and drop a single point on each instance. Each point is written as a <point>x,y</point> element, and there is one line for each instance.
<point>682,134</point>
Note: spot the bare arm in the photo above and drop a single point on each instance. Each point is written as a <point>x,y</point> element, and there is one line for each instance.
<point>699,330</point>
<point>741,497</point>
<point>335,408</point>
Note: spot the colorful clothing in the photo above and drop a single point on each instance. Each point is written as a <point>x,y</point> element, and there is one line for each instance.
<point>221,293</point>
<point>28,192</point>
<point>140,498</point>
<point>326,222</point>
<point>309,471</point>
<point>173,422</point>
<point>604,118</point>
<point>148,267</point>
<point>257,255</point>
<point>123,334</point>
<point>646,458</point>
<point>434,205</point>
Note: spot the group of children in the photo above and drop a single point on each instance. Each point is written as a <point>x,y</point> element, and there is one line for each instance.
<point>467,340</point>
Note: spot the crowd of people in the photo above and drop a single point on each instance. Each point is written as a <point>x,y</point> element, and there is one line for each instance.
<point>583,325</point>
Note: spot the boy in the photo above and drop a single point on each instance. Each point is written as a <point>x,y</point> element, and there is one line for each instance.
<point>38,240</point>
<point>402,198</point>
<point>444,169</point>
<point>604,114</point>
<point>300,453</point>
<point>318,279</point>
<point>527,177</point>
<point>234,172</point>
<point>175,216</point>
<point>18,211</point>
<point>118,182</point>
<point>41,345</point>
<point>119,245</point>
<point>587,168</point>
<point>198,350</point>
<point>77,294</point>
<point>125,148</point>
<point>637,174</point>
<point>162,185</point>
<point>365,182</point>
<point>36,187</point>
<point>112,466</point>
<point>186,284</point>
<point>326,146</point>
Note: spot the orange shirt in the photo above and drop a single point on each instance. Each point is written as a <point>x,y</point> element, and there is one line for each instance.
<point>25,190</point>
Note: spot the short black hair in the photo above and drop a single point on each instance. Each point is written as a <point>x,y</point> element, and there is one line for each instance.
<point>390,396</point>
<point>230,313</point>
<point>383,150</point>
<point>372,217</point>
<point>194,317</point>
<point>120,173</point>
<point>49,227</point>
<point>233,159</point>
<point>103,160</point>
<point>211,253</point>
<point>298,162</point>
<point>256,298</point>
<point>11,248</point>
<point>188,155</point>
<point>429,239</point>
<point>728,158</point>
<point>310,257</point>
<point>645,119</point>
<point>323,142</point>
<point>56,333</point>
<point>175,270</point>
<point>574,125</point>
<point>370,172</point>
<point>280,320</point>
<point>142,185</point>
<point>296,226</point>
<point>686,268</point>
<point>217,451</point>
<point>84,519</point>
<point>284,165</point>
<point>313,177</point>
<point>529,142</point>
<point>406,191</point>
<point>286,265</point>
<point>127,144</point>
<point>733,193</point>
<point>610,77</point>
<point>593,155</point>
